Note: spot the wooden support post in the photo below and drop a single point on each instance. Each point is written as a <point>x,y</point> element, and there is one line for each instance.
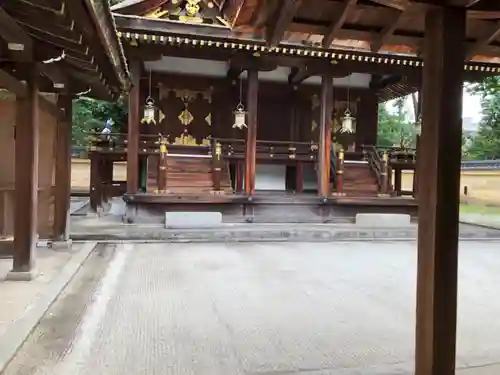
<point>299,178</point>
<point>133,129</point>
<point>340,173</point>
<point>95,181</point>
<point>216,165</point>
<point>26,179</point>
<point>439,191</point>
<point>239,176</point>
<point>162,166</point>
<point>367,120</point>
<point>384,189</point>
<point>324,124</point>
<point>251,142</point>
<point>62,196</point>
<point>415,174</point>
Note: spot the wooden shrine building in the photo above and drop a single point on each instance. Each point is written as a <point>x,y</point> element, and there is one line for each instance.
<point>300,64</point>
<point>307,77</point>
<point>51,51</point>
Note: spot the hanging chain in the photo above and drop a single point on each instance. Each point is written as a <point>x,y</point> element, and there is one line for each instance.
<point>150,83</point>
<point>240,106</point>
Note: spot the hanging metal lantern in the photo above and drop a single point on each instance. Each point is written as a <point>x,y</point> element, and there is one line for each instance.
<point>239,117</point>
<point>149,112</point>
<point>347,122</point>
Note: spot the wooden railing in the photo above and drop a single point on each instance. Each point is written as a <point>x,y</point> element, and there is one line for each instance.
<point>270,150</point>
<point>380,167</point>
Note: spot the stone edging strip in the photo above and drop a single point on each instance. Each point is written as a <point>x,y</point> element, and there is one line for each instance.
<point>268,235</point>
<point>18,331</point>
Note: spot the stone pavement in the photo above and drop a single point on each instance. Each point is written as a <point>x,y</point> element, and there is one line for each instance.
<point>258,308</point>
<point>24,303</point>
<point>488,220</point>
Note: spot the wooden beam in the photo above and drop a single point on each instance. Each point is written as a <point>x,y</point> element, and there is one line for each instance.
<point>281,19</point>
<point>298,74</point>
<point>337,22</point>
<point>18,88</point>
<point>18,41</point>
<point>233,73</point>
<point>384,36</point>
<point>490,36</point>
<point>439,192</point>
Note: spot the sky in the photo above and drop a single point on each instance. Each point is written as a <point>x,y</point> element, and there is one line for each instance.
<point>471,107</point>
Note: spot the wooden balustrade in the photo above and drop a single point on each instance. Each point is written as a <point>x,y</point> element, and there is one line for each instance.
<point>380,167</point>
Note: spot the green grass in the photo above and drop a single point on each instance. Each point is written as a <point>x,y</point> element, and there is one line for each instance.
<point>478,209</point>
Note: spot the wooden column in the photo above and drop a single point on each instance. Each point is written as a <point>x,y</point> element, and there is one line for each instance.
<point>62,196</point>
<point>26,176</point>
<point>326,103</point>
<point>367,120</point>
<point>439,191</point>
<point>133,129</point>
<point>251,141</point>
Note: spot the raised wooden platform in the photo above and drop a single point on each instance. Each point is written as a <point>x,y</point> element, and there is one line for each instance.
<point>268,206</point>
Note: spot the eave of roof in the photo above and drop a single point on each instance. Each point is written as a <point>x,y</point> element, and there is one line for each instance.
<point>178,33</point>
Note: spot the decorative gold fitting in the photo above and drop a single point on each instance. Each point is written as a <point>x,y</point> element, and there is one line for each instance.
<point>341,154</point>
<point>340,172</point>
<point>385,156</point>
<point>218,150</point>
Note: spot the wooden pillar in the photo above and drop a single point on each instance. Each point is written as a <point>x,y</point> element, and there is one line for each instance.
<point>367,120</point>
<point>26,178</point>
<point>325,122</point>
<point>133,129</point>
<point>239,176</point>
<point>62,196</point>
<point>251,142</point>
<point>439,191</point>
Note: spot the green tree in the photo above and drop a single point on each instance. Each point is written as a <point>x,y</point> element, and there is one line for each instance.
<point>395,129</point>
<point>486,144</point>
<point>91,115</point>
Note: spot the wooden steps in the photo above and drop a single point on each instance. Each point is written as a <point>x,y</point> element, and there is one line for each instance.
<point>188,176</point>
<point>359,180</point>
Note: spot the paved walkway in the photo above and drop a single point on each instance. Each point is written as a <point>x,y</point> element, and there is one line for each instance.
<point>302,308</point>
<point>18,297</point>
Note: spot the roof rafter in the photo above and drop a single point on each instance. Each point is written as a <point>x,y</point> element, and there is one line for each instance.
<point>17,39</point>
<point>280,20</point>
<point>492,34</point>
<point>382,38</point>
<point>337,22</point>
